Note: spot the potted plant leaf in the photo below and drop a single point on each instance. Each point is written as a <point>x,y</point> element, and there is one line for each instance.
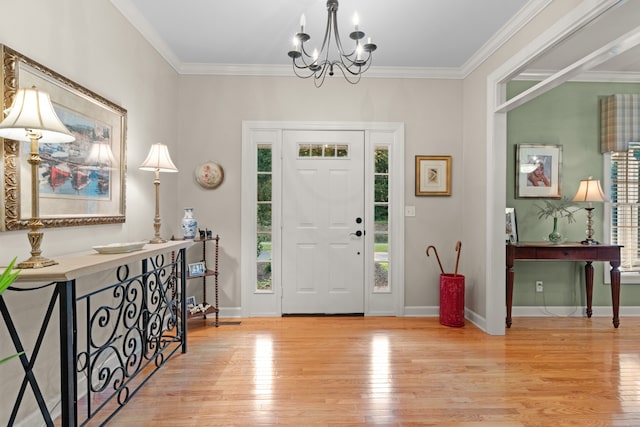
<point>557,209</point>
<point>6,279</point>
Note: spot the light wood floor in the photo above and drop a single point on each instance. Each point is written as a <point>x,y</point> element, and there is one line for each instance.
<point>355,371</point>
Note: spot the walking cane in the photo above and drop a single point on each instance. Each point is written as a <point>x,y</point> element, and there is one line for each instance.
<point>437,257</point>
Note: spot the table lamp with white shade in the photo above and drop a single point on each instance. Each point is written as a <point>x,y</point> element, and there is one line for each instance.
<point>589,191</point>
<point>158,160</point>
<point>32,118</point>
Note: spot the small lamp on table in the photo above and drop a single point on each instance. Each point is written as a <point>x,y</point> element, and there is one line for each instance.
<point>589,191</point>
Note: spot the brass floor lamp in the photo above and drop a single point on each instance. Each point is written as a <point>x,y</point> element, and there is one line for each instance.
<point>32,118</point>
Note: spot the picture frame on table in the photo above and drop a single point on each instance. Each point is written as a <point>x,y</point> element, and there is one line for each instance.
<point>433,176</point>
<point>511,226</point>
<point>191,301</point>
<point>538,171</point>
<point>197,269</point>
<point>82,182</point>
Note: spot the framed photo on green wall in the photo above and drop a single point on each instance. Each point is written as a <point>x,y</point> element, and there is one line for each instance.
<point>511,227</point>
<point>538,171</point>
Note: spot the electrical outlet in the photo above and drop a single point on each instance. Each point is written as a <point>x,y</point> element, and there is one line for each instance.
<point>539,287</point>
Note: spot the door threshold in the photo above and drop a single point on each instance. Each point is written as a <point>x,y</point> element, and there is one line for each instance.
<point>322,314</point>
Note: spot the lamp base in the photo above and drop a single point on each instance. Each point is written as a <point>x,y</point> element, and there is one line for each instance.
<point>157,240</point>
<point>590,242</point>
<point>36,262</point>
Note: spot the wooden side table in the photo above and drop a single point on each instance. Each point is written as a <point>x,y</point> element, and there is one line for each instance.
<point>568,252</point>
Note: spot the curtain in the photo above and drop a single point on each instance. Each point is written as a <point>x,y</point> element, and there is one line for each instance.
<point>619,122</point>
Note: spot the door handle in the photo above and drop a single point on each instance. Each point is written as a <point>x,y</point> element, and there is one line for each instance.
<point>357,233</point>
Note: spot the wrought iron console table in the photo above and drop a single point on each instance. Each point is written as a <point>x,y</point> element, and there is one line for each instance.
<point>113,337</point>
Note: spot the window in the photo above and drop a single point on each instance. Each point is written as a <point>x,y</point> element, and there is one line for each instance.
<point>381,217</point>
<point>263,233</point>
<point>623,209</point>
<point>322,150</point>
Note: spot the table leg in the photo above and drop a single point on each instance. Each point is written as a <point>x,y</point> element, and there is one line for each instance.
<point>588,274</point>
<point>510,278</point>
<point>615,291</point>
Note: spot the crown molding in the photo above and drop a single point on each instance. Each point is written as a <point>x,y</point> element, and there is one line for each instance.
<point>528,12</point>
<point>515,24</point>
<point>131,14</point>
<point>285,71</point>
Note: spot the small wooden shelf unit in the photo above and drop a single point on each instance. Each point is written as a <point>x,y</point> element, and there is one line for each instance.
<point>208,273</point>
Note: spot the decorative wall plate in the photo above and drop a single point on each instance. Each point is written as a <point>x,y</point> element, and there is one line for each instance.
<point>209,175</point>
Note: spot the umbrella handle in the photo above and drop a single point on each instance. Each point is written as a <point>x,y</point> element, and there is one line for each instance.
<point>458,249</point>
<point>437,257</point>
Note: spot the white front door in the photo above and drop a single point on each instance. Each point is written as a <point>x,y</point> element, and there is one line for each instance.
<point>323,222</point>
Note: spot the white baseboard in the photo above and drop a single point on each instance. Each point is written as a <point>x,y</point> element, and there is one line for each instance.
<point>422,311</point>
<point>568,311</point>
<point>233,312</point>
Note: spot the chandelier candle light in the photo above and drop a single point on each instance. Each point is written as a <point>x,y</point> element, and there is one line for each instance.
<point>589,191</point>
<point>158,160</point>
<point>32,118</point>
<point>317,64</point>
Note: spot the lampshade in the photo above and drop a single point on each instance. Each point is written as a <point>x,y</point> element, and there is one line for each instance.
<point>158,159</point>
<point>32,113</point>
<point>101,154</point>
<point>589,191</point>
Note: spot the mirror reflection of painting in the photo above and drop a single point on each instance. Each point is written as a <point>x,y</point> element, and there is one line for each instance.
<point>538,177</point>
<point>81,168</point>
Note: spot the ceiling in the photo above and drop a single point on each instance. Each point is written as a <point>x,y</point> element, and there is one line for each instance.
<point>415,38</point>
<point>429,37</point>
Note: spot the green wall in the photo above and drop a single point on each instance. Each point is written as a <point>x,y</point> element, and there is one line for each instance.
<point>568,116</point>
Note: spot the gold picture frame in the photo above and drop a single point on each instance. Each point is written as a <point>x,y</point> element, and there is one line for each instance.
<point>433,175</point>
<point>73,190</point>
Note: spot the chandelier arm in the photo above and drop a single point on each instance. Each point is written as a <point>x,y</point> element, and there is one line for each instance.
<point>327,35</point>
<point>302,76</point>
<point>346,56</point>
<point>338,41</point>
<point>363,67</point>
<point>319,78</point>
<point>350,76</point>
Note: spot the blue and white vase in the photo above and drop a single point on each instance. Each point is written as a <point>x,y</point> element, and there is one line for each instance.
<point>189,224</point>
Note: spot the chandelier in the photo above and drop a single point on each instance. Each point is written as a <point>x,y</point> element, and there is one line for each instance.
<point>317,64</point>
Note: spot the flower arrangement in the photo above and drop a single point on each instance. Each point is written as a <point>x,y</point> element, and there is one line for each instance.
<point>6,279</point>
<point>557,209</point>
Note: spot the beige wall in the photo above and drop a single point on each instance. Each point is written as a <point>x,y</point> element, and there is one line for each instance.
<point>477,178</point>
<point>90,43</point>
<point>211,111</point>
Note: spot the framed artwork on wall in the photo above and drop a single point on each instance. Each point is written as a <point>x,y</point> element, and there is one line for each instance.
<point>433,175</point>
<point>511,227</point>
<point>538,171</point>
<point>82,182</point>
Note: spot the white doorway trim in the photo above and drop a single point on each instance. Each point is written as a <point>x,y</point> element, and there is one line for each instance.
<point>496,147</point>
<point>268,304</point>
